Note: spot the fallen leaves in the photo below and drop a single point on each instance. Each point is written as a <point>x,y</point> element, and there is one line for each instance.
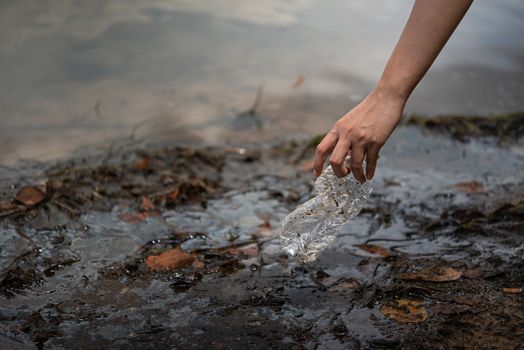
<point>448,309</point>
<point>146,209</point>
<point>133,218</point>
<point>344,284</point>
<point>189,190</point>
<point>5,205</point>
<point>146,204</point>
<point>374,249</point>
<point>170,259</point>
<point>433,274</point>
<point>30,196</point>
<point>143,164</point>
<point>406,311</point>
<point>470,187</point>
<point>512,290</point>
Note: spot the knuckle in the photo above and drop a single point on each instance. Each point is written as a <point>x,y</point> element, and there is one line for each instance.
<point>320,150</point>
<point>335,162</point>
<point>361,135</point>
<point>373,140</point>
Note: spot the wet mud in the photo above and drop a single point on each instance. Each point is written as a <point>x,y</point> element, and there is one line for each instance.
<point>149,246</point>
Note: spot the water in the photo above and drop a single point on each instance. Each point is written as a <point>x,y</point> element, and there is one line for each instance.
<point>76,73</point>
<point>310,228</point>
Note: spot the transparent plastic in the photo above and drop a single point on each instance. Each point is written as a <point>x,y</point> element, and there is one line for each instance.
<point>310,228</point>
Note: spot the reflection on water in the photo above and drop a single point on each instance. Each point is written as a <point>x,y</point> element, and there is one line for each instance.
<point>76,72</point>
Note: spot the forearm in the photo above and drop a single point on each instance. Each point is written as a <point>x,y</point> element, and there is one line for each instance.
<point>429,27</point>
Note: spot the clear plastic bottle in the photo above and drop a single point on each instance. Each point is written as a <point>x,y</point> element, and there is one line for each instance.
<point>310,228</point>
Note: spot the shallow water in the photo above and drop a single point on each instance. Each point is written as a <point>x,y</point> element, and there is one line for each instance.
<point>182,72</point>
<point>333,302</point>
<point>78,73</point>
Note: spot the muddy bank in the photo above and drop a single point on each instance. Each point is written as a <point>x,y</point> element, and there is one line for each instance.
<point>152,245</point>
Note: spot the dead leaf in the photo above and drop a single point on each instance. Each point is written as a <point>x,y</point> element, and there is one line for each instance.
<point>406,311</point>
<point>469,300</point>
<point>512,290</point>
<point>249,250</point>
<point>433,274</point>
<point>264,229</point>
<point>374,249</point>
<point>470,187</point>
<point>472,273</point>
<point>344,284</point>
<point>30,196</point>
<point>298,82</point>
<point>173,195</point>
<point>132,218</point>
<point>146,204</point>
<point>170,259</point>
<point>448,309</point>
<point>4,206</point>
<point>143,164</point>
<point>198,264</point>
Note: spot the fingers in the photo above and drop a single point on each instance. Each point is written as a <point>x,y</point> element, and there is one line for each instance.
<point>371,161</point>
<point>323,150</point>
<point>339,155</point>
<point>357,157</point>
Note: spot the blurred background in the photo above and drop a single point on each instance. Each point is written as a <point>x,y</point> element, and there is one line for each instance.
<point>85,72</point>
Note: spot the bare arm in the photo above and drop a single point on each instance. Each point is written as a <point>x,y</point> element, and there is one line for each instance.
<point>367,127</point>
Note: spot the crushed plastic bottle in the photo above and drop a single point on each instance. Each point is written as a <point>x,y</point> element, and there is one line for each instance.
<point>310,228</point>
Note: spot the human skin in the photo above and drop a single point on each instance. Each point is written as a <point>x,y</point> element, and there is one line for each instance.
<point>365,129</point>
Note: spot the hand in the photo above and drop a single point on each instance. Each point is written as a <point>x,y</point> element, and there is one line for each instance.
<point>361,132</point>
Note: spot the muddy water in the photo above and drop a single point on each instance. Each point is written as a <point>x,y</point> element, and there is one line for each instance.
<point>130,80</point>
<point>86,282</point>
<point>76,73</point>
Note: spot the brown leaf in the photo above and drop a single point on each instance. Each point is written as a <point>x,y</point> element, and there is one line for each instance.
<point>170,259</point>
<point>143,164</point>
<point>249,250</point>
<point>146,204</point>
<point>344,284</point>
<point>374,249</point>
<point>448,309</point>
<point>472,273</point>
<point>198,264</point>
<point>512,290</point>
<point>467,300</point>
<point>406,311</point>
<point>30,196</point>
<point>133,218</point>
<point>470,187</point>
<point>433,274</point>
<point>5,205</point>
<point>264,229</point>
<point>173,195</point>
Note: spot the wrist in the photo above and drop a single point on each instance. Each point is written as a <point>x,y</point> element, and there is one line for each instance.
<point>391,92</point>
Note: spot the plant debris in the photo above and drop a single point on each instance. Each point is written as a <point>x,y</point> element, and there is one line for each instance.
<point>506,128</point>
<point>169,260</point>
<point>406,311</point>
<point>30,196</point>
<point>433,274</point>
<point>179,245</point>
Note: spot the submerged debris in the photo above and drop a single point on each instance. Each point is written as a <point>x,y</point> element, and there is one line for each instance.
<point>178,245</point>
<point>506,128</point>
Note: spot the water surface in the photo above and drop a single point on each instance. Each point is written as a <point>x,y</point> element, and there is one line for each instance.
<point>76,72</point>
